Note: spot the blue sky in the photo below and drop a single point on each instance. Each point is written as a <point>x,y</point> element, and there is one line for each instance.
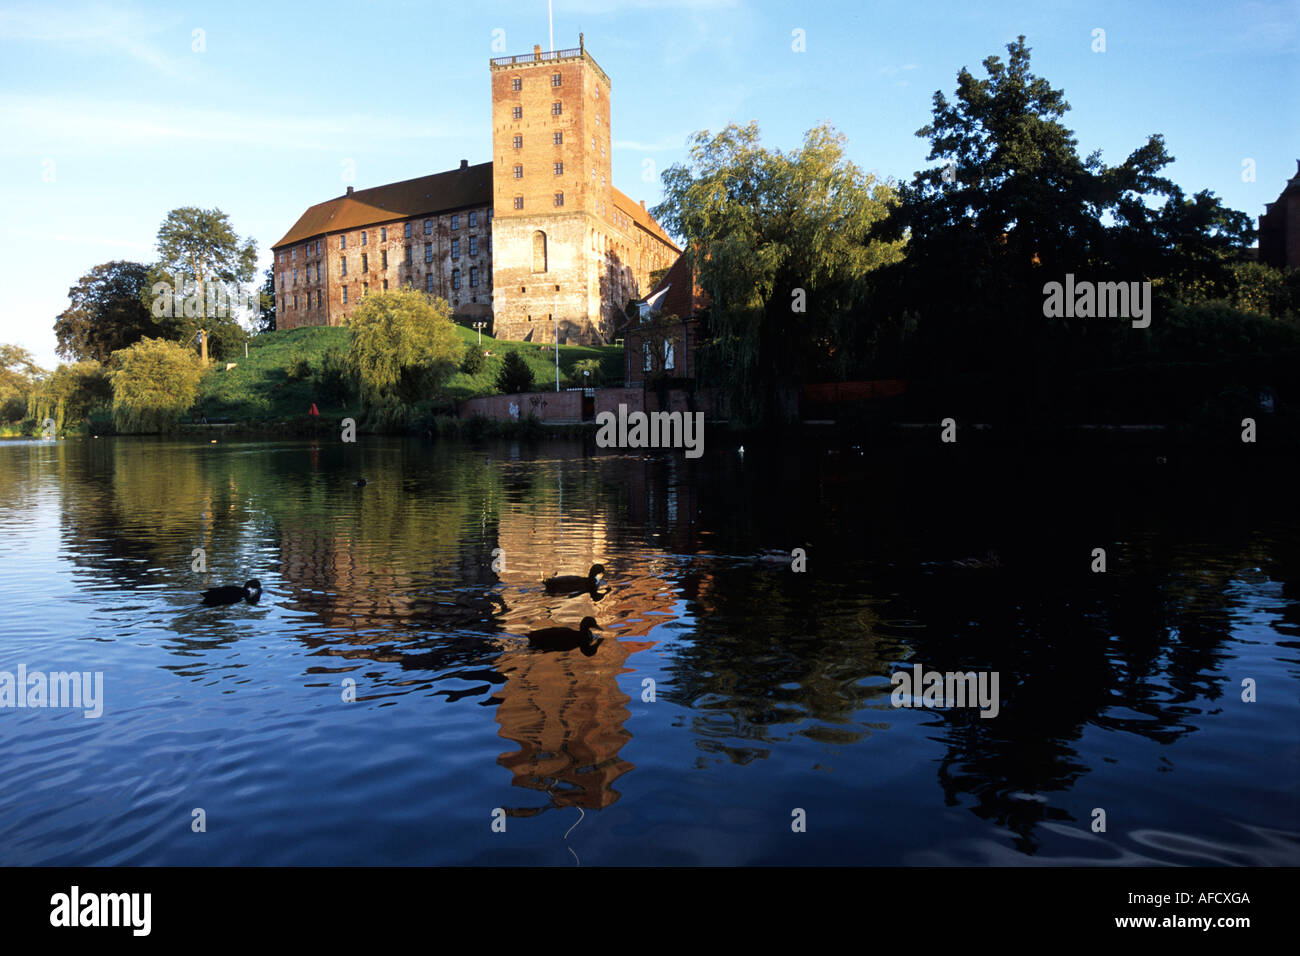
<point>111,117</point>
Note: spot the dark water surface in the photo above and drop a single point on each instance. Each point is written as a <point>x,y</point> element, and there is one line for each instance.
<point>1120,691</point>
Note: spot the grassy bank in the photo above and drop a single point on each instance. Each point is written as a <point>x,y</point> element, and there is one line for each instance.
<point>262,387</point>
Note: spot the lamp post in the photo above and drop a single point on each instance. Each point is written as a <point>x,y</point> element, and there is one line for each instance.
<point>479,325</point>
<point>556,319</point>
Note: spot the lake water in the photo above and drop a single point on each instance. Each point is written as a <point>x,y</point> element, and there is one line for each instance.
<point>1120,691</point>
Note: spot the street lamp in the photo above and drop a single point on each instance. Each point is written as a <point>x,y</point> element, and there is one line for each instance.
<point>556,319</point>
<point>479,326</point>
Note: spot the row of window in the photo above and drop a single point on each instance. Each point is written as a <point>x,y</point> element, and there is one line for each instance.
<point>557,138</point>
<point>517,83</point>
<point>557,109</point>
<point>365,287</point>
<point>314,247</point>
<point>556,168</point>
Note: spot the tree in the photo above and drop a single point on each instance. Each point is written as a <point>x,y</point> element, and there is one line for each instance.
<point>1013,206</point>
<point>266,317</point>
<point>474,360</point>
<point>71,392</point>
<point>514,375</point>
<point>19,378</point>
<point>154,383</point>
<point>198,278</point>
<point>780,243</point>
<point>107,312</point>
<point>402,346</point>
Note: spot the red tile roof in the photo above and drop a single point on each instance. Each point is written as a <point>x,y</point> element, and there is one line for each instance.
<point>425,196</point>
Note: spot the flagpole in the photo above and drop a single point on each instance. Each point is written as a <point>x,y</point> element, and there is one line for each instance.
<point>550,25</point>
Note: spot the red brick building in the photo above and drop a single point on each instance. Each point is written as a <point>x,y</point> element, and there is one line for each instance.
<point>663,337</point>
<point>538,240</point>
<point>1279,227</point>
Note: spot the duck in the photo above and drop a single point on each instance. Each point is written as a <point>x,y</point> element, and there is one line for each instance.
<point>232,594</point>
<point>359,483</point>
<point>566,638</point>
<point>573,583</point>
<point>990,560</point>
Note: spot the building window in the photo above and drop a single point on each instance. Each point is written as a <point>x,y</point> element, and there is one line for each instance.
<point>320,299</point>
<point>343,265</point>
<point>428,227</point>
<point>489,215</point>
<point>559,169</point>
<point>318,272</point>
<point>345,295</point>
<point>385,285</point>
<point>555,79</point>
<point>408,230</point>
<point>295,300</point>
<point>559,199</point>
<point>455,248</point>
<point>383,233</point>
<point>408,255</point>
<point>473,245</point>
<point>473,219</point>
<point>645,353</point>
<point>559,139</point>
<point>365,266</point>
<point>383,259</point>
<point>519,171</point>
<point>516,84</point>
<point>473,277</point>
<point>428,282</point>
<point>455,221</point>
<point>365,287</point>
<point>517,112</point>
<point>669,356</point>
<point>295,275</point>
<point>519,142</point>
<point>363,238</point>
<point>519,202</point>
<point>455,278</point>
<point>428,252</point>
<point>343,242</point>
<point>293,255</point>
<point>557,109</point>
<point>539,251</point>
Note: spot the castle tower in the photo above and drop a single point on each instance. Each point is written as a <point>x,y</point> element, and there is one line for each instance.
<point>552,195</point>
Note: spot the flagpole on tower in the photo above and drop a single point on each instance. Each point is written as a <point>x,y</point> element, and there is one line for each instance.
<point>550,26</point>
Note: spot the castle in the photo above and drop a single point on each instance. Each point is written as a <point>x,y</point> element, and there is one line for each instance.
<point>537,242</point>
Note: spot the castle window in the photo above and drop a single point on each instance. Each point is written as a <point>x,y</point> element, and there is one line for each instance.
<point>559,169</point>
<point>539,251</point>
<point>293,254</point>
<point>473,277</point>
<point>555,79</point>
<point>559,199</point>
<point>455,278</point>
<point>365,266</point>
<point>559,139</point>
<point>385,285</point>
<point>473,219</point>
<point>343,242</point>
<point>363,238</point>
<point>428,252</point>
<point>408,230</point>
<point>489,215</point>
<point>519,171</point>
<point>517,112</point>
<point>408,255</point>
<point>383,233</point>
<point>295,275</point>
<point>295,301</point>
<point>519,202</point>
<point>428,227</point>
<point>345,295</point>
<point>320,299</point>
<point>516,84</point>
<point>343,265</point>
<point>455,221</point>
<point>428,282</point>
<point>455,248</point>
<point>473,245</point>
<point>557,109</point>
<point>519,142</point>
<point>383,259</point>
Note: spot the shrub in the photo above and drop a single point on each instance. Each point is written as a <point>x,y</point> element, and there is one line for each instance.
<point>402,346</point>
<point>154,383</point>
<point>474,361</point>
<point>514,375</point>
<point>333,380</point>
<point>297,369</point>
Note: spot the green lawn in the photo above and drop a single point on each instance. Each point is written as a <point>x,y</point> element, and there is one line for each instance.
<point>259,386</point>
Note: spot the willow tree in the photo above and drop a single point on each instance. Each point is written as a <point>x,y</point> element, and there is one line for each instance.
<point>402,346</point>
<point>779,242</point>
<point>155,382</point>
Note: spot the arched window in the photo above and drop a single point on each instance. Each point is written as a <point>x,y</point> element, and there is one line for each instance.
<point>539,251</point>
